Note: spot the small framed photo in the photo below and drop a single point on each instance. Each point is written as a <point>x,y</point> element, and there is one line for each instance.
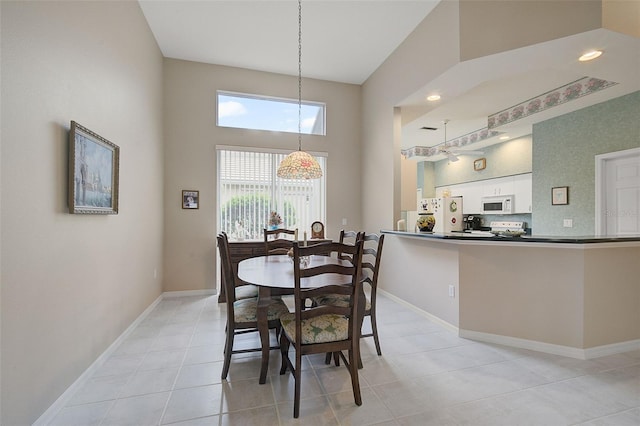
<point>190,199</point>
<point>479,164</point>
<point>93,172</point>
<point>559,195</point>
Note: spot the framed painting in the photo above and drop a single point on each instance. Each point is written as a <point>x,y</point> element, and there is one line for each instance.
<point>93,172</point>
<point>190,199</point>
<point>559,195</point>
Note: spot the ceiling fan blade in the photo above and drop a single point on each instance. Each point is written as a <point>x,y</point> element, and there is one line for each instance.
<point>452,157</point>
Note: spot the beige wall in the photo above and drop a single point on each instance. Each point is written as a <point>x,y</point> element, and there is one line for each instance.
<point>484,25</point>
<point>400,75</point>
<point>561,295</point>
<point>191,137</point>
<point>420,272</point>
<point>622,16</point>
<point>71,284</point>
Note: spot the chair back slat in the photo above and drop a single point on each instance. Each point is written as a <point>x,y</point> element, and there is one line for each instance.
<point>278,241</point>
<point>342,279</point>
<point>348,237</point>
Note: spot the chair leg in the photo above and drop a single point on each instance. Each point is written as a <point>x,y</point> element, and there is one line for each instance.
<point>327,358</point>
<point>374,329</point>
<point>297,377</point>
<point>355,381</point>
<point>228,348</point>
<point>284,352</point>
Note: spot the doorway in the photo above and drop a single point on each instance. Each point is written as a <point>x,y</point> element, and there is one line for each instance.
<point>618,193</point>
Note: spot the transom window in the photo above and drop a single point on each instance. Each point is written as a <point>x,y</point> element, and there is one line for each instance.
<point>249,190</point>
<point>257,112</point>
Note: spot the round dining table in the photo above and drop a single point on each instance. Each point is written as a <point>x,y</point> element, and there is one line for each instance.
<point>273,275</point>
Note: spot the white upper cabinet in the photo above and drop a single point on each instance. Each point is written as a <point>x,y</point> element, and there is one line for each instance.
<point>520,186</point>
<point>498,186</point>
<point>523,191</point>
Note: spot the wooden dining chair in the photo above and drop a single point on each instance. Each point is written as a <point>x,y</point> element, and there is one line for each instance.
<point>347,237</point>
<point>242,313</point>
<point>242,290</point>
<point>324,328</point>
<point>371,257</point>
<point>275,244</point>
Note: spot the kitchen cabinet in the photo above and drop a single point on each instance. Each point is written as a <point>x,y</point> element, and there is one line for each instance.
<point>523,192</point>
<point>471,196</point>
<point>520,186</point>
<point>498,186</point>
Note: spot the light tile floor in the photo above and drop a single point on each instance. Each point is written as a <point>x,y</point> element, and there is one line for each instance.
<point>168,372</point>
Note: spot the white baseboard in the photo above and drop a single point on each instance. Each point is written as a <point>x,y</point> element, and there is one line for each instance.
<point>169,294</point>
<point>615,348</point>
<point>515,342</point>
<point>550,348</point>
<point>48,416</point>
<point>425,314</point>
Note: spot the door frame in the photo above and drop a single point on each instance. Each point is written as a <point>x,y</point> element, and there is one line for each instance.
<point>601,183</point>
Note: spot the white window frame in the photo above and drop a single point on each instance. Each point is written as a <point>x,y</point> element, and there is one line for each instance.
<point>320,121</point>
<point>305,213</point>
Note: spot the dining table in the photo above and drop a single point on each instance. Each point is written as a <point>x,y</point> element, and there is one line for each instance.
<point>273,275</point>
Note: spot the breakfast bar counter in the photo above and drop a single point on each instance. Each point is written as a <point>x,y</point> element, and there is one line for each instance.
<point>469,236</point>
<point>573,296</point>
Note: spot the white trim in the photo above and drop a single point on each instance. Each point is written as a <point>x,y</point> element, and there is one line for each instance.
<point>614,348</point>
<point>266,150</point>
<point>182,293</point>
<point>549,348</point>
<point>426,314</point>
<point>601,181</point>
<point>62,401</point>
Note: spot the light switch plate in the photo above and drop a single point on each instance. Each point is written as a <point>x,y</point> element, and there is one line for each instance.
<point>568,223</point>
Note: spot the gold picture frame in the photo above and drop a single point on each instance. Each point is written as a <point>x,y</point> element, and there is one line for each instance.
<point>479,164</point>
<point>93,172</point>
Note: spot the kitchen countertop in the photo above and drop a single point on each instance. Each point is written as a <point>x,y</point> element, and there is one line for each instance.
<point>464,236</point>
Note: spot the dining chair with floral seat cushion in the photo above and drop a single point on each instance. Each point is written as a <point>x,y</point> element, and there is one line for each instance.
<point>242,290</point>
<point>278,241</point>
<point>324,328</point>
<point>242,313</point>
<point>371,257</point>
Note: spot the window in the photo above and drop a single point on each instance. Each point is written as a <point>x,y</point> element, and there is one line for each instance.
<point>249,190</point>
<point>264,113</point>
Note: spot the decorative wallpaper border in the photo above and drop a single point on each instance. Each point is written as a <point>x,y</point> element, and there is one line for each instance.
<point>469,138</point>
<point>568,92</point>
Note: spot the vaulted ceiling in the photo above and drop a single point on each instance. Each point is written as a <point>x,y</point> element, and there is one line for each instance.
<point>346,41</point>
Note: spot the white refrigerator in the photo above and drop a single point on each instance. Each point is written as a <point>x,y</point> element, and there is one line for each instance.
<point>446,210</point>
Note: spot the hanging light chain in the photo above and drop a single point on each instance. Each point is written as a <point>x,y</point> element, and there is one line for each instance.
<point>299,75</point>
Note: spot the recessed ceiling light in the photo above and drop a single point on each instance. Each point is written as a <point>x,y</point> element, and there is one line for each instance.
<point>503,137</point>
<point>592,54</point>
<point>433,98</point>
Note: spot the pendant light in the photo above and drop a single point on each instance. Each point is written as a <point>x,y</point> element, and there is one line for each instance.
<point>299,164</point>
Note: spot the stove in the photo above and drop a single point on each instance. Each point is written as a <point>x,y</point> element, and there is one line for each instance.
<point>501,226</point>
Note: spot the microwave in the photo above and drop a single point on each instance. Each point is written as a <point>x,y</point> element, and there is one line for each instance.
<point>500,204</point>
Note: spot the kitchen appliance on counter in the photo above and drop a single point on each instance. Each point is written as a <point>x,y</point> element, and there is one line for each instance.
<point>472,223</point>
<point>499,204</point>
<point>501,228</point>
<point>507,229</point>
<point>447,212</point>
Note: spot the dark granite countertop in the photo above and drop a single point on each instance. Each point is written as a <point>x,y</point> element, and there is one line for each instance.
<point>463,236</point>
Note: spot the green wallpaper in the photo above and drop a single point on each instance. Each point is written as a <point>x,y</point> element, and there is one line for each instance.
<point>564,150</point>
